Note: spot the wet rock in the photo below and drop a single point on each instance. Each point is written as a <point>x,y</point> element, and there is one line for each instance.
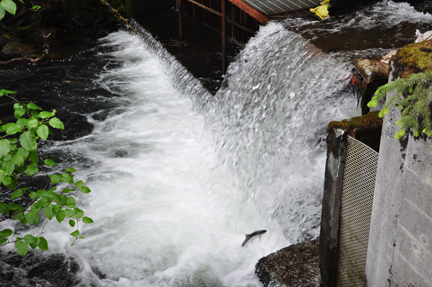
<point>296,265</point>
<point>17,48</point>
<point>372,70</point>
<point>411,59</point>
<point>36,269</point>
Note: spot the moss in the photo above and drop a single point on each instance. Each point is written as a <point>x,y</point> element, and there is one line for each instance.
<point>21,32</point>
<point>414,58</point>
<point>366,129</point>
<point>368,121</point>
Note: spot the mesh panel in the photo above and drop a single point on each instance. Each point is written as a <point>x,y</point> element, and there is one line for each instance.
<point>356,209</point>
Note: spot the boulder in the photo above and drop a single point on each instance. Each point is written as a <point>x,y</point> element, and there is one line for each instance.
<point>296,265</point>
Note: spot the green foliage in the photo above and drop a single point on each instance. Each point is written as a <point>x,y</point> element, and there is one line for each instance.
<point>19,158</point>
<point>413,96</point>
<point>36,8</point>
<point>8,6</point>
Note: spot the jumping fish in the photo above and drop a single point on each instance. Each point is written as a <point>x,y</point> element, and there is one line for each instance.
<point>249,236</point>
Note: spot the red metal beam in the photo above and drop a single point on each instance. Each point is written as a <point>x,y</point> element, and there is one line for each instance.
<point>249,10</point>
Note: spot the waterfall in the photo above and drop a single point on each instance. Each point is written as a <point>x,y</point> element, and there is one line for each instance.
<point>179,176</point>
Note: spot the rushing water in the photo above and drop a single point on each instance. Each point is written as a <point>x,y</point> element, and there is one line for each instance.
<point>179,176</point>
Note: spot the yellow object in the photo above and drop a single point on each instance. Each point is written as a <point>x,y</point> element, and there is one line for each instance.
<point>322,10</point>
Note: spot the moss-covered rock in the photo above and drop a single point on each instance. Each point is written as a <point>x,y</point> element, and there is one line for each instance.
<point>366,129</point>
<point>413,58</point>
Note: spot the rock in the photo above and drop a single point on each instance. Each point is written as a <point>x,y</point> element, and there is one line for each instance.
<point>296,265</point>
<point>17,48</point>
<point>413,58</point>
<point>372,70</point>
<point>423,37</point>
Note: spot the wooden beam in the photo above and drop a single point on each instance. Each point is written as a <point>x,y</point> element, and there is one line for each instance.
<point>220,14</point>
<point>224,36</point>
<point>251,11</point>
<point>180,8</point>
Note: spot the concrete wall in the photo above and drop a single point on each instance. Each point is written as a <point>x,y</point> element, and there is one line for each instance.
<point>400,241</point>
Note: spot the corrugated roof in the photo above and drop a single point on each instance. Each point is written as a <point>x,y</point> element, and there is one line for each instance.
<point>272,7</point>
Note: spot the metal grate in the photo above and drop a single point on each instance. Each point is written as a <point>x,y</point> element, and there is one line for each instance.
<point>356,209</point>
<point>272,7</point>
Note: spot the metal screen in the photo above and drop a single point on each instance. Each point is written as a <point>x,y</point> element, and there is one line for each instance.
<point>356,209</point>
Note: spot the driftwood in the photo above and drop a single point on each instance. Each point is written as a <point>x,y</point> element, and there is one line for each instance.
<point>29,58</point>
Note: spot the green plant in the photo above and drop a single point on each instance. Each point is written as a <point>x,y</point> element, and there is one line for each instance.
<point>19,158</point>
<point>8,6</point>
<point>413,96</point>
<point>36,8</point>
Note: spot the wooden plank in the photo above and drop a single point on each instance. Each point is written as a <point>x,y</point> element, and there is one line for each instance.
<point>220,14</point>
<point>224,36</point>
<point>251,11</point>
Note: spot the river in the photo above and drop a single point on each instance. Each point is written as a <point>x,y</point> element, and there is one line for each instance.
<point>178,176</point>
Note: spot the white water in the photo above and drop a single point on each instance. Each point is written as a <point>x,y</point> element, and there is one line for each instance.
<point>179,177</point>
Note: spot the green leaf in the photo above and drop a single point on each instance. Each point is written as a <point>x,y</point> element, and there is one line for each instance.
<point>42,131</point>
<point>32,123</point>
<point>13,206</point>
<point>4,147</point>
<point>35,114</point>
<point>75,233</point>
<point>72,223</point>
<point>21,247</point>
<point>48,211</point>
<point>60,215</point>
<point>78,213</point>
<point>13,129</point>
<point>71,202</point>
<point>79,184</point>
<point>66,177</point>
<point>87,220</point>
<point>85,189</point>
<point>32,217</point>
<point>28,141</point>
<point>33,195</point>
<point>23,152</point>
<point>17,193</point>
<point>3,239</point>
<point>33,156</point>
<point>45,115</point>
<point>55,178</point>
<point>43,243</point>
<point>69,213</point>
<point>56,207</point>
<point>67,190</point>
<point>70,169</point>
<point>6,232</point>
<point>22,122</point>
<point>21,218</point>
<point>30,238</point>
<point>19,113</point>
<point>17,159</point>
<point>31,169</point>
<point>4,209</point>
<point>9,6</point>
<point>50,162</point>
<point>8,167</point>
<point>2,14</point>
<point>32,106</point>
<point>13,184</point>
<point>6,180</point>
<point>56,123</point>
<point>5,92</point>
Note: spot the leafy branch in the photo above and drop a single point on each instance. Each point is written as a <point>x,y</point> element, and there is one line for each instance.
<point>18,157</point>
<point>413,96</point>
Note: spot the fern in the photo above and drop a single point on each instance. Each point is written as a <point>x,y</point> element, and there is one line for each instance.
<point>413,96</point>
